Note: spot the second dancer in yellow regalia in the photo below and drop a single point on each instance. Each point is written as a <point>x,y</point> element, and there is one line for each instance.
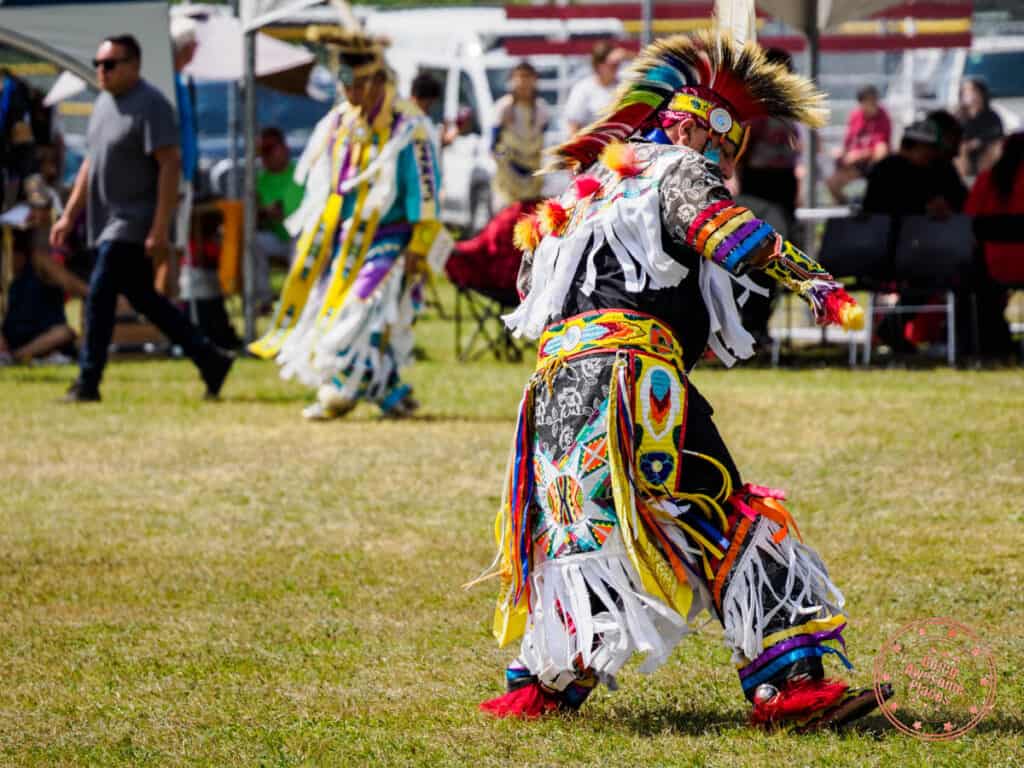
<point>366,225</point>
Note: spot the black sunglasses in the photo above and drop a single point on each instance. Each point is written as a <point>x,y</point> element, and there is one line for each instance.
<point>106,64</point>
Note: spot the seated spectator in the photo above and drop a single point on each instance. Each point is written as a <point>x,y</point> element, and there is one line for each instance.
<point>278,196</point>
<point>903,184</point>
<point>982,128</point>
<point>998,192</point>
<point>918,180</point>
<point>35,326</point>
<point>867,142</point>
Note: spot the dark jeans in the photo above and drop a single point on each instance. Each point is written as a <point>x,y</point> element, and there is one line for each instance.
<point>124,268</point>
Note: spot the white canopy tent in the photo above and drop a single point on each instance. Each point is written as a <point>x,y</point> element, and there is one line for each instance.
<point>220,53</point>
<point>68,32</point>
<point>219,58</point>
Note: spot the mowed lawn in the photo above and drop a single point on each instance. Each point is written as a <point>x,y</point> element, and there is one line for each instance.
<point>225,584</point>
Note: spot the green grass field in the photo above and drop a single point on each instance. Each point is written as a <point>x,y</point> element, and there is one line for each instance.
<point>224,584</point>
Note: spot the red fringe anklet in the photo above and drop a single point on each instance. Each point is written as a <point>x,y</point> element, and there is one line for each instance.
<point>527,702</point>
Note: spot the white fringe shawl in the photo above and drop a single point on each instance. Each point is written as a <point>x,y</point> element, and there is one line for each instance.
<point>296,357</point>
<point>744,613</point>
<point>314,171</point>
<point>727,337</point>
<point>628,621</point>
<point>389,312</point>
<point>632,227</point>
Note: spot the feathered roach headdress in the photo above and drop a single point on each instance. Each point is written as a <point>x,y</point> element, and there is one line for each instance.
<point>353,53</point>
<point>708,76</point>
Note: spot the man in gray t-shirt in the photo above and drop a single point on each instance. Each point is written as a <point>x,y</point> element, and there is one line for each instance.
<point>128,185</point>
<point>136,130</point>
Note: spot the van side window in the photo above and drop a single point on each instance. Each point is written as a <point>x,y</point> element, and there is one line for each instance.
<point>468,103</point>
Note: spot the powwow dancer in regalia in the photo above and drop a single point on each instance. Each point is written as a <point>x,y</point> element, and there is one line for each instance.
<point>368,220</point>
<point>624,515</point>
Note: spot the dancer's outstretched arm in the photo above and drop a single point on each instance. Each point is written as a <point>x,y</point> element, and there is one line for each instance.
<point>699,212</point>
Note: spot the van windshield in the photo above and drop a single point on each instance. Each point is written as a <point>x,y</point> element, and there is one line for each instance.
<point>497,80</point>
<point>1000,71</point>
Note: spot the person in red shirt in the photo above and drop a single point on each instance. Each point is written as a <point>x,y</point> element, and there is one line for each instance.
<point>997,202</point>
<point>1000,192</point>
<point>866,142</point>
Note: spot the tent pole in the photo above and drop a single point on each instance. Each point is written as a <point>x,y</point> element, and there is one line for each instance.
<point>814,61</point>
<point>249,199</point>
<point>233,99</point>
<point>647,12</point>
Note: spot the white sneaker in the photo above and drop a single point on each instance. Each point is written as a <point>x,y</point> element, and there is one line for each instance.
<point>329,405</point>
<point>318,412</point>
<point>331,397</point>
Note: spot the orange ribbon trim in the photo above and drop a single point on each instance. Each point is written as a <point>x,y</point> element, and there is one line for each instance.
<point>730,557</point>
<point>778,514</point>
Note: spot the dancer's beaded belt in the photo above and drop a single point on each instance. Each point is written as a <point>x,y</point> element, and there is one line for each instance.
<point>607,329</point>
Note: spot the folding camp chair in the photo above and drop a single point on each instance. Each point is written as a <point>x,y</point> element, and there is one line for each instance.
<point>479,328</point>
<point>483,271</point>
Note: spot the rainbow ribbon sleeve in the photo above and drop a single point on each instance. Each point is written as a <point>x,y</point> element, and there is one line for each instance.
<point>727,234</point>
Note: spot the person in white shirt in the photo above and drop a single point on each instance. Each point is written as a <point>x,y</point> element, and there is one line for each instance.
<point>592,94</point>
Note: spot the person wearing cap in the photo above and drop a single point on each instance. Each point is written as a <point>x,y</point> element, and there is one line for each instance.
<point>866,142</point>
<point>521,117</point>
<point>901,184</point>
<point>593,93</point>
<point>624,515</point>
<point>366,225</point>
<point>917,180</point>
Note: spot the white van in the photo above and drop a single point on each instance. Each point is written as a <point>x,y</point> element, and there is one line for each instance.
<point>464,50</point>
